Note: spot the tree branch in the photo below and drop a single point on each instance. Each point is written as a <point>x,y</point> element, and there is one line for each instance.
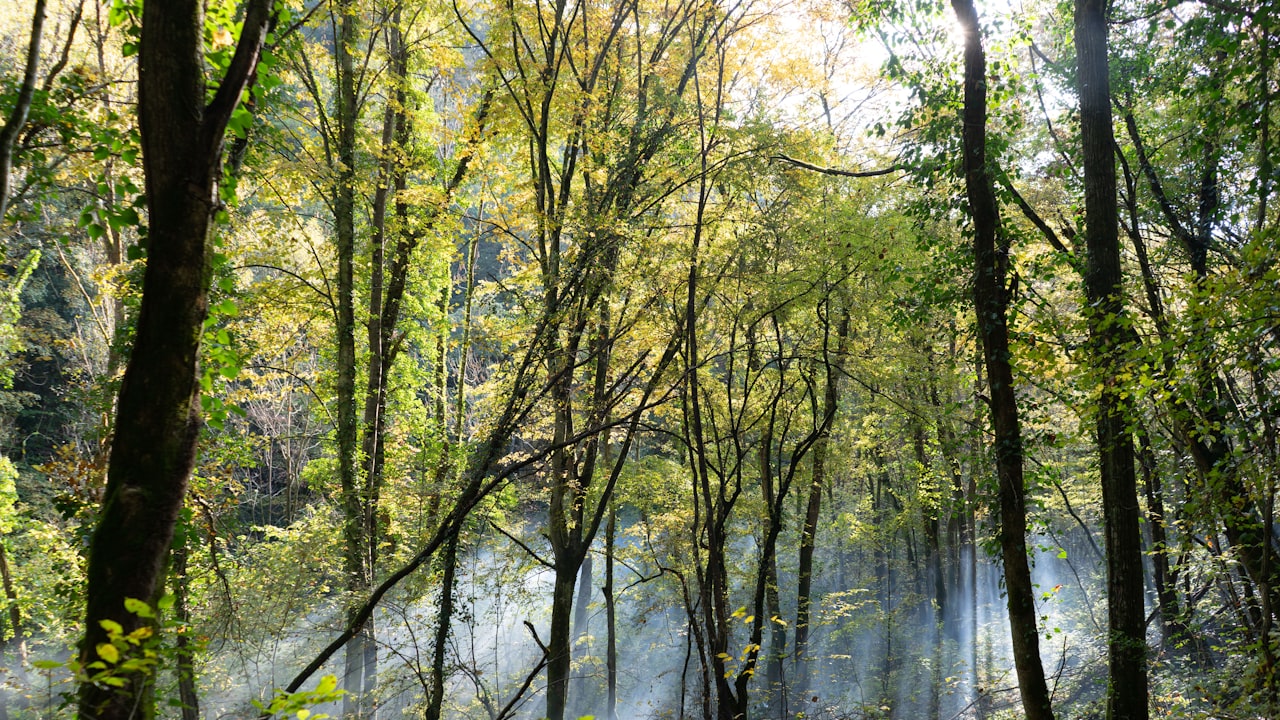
<point>18,115</point>
<point>837,172</point>
<point>244,65</point>
<point>1035,218</point>
<point>531,552</point>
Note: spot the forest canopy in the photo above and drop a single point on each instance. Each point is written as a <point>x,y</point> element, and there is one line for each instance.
<point>627,359</point>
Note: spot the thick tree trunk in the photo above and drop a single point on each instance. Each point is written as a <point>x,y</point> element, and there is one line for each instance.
<point>158,413</point>
<point>1127,648</point>
<point>804,580</point>
<point>558,644</point>
<point>991,257</point>
<point>564,530</point>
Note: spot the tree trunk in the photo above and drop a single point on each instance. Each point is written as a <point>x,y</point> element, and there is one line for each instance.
<point>17,115</point>
<point>18,642</point>
<point>991,258</point>
<point>357,545</point>
<point>158,413</point>
<point>582,696</point>
<point>188,695</point>
<point>436,698</point>
<point>773,679</point>
<point>611,614</point>
<point>1127,646</point>
<point>15,613</point>
<point>559,655</point>
<point>804,580</point>
<point>1165,576</point>
<point>931,519</point>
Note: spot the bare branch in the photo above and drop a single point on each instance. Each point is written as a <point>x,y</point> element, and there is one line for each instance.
<point>837,172</point>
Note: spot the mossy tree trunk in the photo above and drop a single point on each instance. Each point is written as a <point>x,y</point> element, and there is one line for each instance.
<point>158,414</point>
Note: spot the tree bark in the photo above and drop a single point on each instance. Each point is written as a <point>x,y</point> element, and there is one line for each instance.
<point>158,415</point>
<point>357,561</point>
<point>188,694</point>
<point>436,699</point>
<point>991,258</point>
<point>611,615</point>
<point>1127,645</point>
<point>1164,575</point>
<point>15,613</point>
<point>773,670</point>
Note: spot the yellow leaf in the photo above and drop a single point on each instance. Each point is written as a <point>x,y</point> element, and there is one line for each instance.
<point>108,652</point>
<point>222,38</point>
<point>328,684</point>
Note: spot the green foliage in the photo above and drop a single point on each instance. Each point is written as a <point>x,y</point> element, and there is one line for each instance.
<point>222,359</point>
<point>8,497</point>
<point>783,253</point>
<point>11,341</point>
<point>298,704</point>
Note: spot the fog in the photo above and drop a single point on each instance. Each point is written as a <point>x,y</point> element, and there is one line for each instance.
<point>878,646</point>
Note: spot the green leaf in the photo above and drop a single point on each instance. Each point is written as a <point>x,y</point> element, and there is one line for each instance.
<point>111,626</point>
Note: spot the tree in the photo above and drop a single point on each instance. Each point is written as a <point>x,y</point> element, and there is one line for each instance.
<point>1127,642</point>
<point>990,302</point>
<point>158,417</point>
